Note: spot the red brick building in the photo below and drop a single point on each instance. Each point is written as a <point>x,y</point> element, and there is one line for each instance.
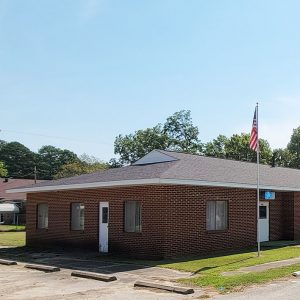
<point>167,204</point>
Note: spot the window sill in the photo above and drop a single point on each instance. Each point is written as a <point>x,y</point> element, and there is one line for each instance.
<point>217,231</point>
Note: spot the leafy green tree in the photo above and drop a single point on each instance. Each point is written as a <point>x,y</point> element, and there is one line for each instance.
<point>2,143</point>
<point>51,159</point>
<point>216,147</point>
<point>18,159</point>
<point>178,133</point>
<point>131,147</point>
<point>237,147</point>
<point>114,163</point>
<point>84,165</point>
<point>3,170</point>
<point>182,134</point>
<point>294,148</point>
<point>282,157</point>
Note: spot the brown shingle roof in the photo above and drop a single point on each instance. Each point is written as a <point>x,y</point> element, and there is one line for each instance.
<point>11,184</point>
<point>198,167</point>
<point>188,167</point>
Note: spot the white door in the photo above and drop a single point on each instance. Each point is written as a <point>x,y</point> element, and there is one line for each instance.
<point>103,226</point>
<point>264,221</point>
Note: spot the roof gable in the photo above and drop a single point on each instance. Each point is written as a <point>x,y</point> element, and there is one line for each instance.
<point>155,156</point>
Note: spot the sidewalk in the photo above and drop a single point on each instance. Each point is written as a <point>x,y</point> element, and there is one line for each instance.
<point>264,267</point>
<point>276,290</point>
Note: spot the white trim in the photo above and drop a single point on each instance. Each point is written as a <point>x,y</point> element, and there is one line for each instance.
<point>84,185</point>
<point>151,181</point>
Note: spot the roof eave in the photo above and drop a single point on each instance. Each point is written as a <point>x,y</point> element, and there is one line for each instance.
<point>152,181</point>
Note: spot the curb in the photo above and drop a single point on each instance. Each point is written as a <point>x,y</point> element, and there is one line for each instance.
<point>92,275</point>
<point>42,268</point>
<point>296,274</point>
<point>174,289</point>
<point>7,262</point>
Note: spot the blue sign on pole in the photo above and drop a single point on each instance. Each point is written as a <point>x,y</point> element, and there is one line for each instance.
<point>268,195</point>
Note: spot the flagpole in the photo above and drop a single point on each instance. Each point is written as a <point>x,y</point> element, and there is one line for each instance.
<point>257,154</point>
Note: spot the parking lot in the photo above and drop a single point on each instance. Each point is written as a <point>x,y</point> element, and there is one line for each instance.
<point>18,282</point>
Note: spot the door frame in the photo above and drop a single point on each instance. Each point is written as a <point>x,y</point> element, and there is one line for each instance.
<point>101,232</point>
<point>267,205</point>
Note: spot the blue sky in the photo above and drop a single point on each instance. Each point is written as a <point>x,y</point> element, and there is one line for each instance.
<point>78,72</point>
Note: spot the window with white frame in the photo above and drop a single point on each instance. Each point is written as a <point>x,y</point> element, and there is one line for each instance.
<point>77,216</point>
<point>133,216</point>
<point>216,215</point>
<point>42,216</point>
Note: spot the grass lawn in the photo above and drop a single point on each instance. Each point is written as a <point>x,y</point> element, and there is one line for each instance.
<point>12,228</point>
<point>12,239</point>
<point>208,271</point>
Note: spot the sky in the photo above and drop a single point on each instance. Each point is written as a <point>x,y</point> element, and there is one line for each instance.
<point>76,73</point>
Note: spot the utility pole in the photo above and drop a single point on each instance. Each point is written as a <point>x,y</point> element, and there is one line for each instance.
<point>35,174</point>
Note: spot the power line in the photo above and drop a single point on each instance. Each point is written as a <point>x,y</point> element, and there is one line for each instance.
<point>50,136</point>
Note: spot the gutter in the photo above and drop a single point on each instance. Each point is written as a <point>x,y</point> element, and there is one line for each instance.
<point>151,181</point>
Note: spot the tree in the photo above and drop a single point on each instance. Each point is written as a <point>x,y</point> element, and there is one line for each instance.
<point>131,147</point>
<point>114,163</point>
<point>3,170</point>
<point>182,134</point>
<point>178,133</point>
<point>216,148</point>
<point>294,148</point>
<point>51,159</point>
<point>237,147</point>
<point>18,159</point>
<point>282,157</point>
<point>84,165</point>
<point>2,143</point>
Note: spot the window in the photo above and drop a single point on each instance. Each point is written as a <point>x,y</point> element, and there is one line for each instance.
<point>133,216</point>
<point>77,216</point>
<point>262,212</point>
<point>42,212</point>
<point>104,215</point>
<point>216,215</point>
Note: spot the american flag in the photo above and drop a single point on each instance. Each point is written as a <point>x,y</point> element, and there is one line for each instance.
<point>254,135</point>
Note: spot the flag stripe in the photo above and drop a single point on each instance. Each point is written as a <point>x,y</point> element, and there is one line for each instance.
<point>253,143</point>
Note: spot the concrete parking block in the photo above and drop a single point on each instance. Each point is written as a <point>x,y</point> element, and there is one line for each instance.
<point>95,276</point>
<point>7,262</point>
<point>169,288</point>
<point>42,268</point>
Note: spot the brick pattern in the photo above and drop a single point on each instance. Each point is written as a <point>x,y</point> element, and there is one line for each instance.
<point>297,216</point>
<point>288,216</point>
<point>276,218</point>
<point>186,221</point>
<point>173,220</point>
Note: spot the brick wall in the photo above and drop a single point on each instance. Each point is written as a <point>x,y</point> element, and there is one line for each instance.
<point>288,216</point>
<point>297,216</point>
<point>282,217</point>
<point>186,222</point>
<point>276,218</point>
<point>147,243</point>
<point>173,220</point>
